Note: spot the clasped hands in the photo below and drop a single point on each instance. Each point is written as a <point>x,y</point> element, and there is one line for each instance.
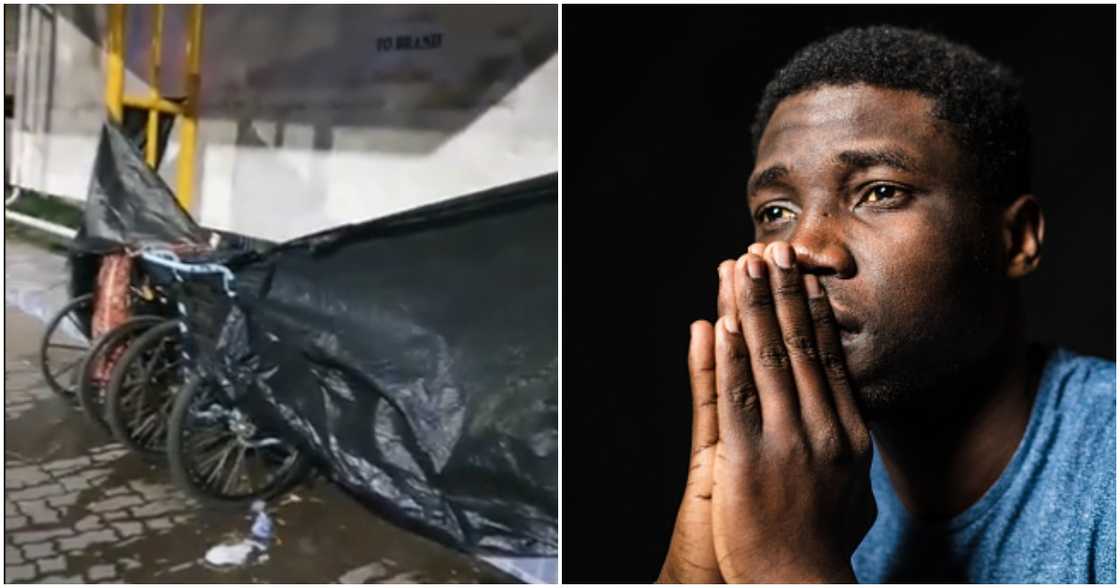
<point>778,486</point>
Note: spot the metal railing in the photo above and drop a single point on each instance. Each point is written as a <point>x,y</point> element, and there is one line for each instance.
<point>154,103</point>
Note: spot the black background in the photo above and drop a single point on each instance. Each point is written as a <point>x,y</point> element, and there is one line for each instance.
<point>657,106</point>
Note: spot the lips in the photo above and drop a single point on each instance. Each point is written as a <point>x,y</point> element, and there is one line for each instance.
<point>846,322</point>
<point>844,318</point>
<point>849,326</point>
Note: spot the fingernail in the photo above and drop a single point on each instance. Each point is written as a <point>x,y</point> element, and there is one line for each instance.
<point>756,268</point>
<point>783,255</point>
<point>731,324</point>
<point>757,249</point>
<point>812,286</point>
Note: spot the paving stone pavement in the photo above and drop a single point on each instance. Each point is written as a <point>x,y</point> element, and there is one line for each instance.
<point>79,507</point>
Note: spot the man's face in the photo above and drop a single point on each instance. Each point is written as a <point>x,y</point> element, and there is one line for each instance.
<point>878,200</point>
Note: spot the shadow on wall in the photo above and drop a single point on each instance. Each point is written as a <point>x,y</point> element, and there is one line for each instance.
<point>420,73</point>
<point>303,193</point>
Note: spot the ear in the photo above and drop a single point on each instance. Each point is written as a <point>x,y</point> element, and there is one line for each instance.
<point>1023,227</point>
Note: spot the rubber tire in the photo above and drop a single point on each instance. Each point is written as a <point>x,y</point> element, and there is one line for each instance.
<point>112,401</point>
<point>181,475</point>
<point>95,414</point>
<point>70,396</point>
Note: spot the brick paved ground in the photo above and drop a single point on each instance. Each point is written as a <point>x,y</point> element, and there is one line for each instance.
<point>78,507</point>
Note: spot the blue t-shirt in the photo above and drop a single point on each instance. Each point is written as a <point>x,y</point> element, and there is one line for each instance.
<point>1049,518</point>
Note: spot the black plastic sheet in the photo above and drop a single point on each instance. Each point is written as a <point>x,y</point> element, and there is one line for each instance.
<point>415,356</point>
<point>128,204</point>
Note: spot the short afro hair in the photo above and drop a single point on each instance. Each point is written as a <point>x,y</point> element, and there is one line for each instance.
<point>980,99</point>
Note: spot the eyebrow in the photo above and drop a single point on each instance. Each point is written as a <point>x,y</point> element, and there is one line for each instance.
<point>892,158</point>
<point>766,178</point>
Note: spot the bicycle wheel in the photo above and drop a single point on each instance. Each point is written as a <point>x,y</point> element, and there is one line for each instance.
<point>92,378</point>
<point>219,456</point>
<point>64,346</point>
<point>142,388</point>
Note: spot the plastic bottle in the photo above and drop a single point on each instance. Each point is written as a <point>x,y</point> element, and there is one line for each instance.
<point>261,531</point>
<point>250,550</point>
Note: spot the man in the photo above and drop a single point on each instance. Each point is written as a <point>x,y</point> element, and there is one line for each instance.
<point>866,407</point>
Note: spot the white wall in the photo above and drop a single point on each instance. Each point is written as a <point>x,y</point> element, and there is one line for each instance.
<point>307,120</point>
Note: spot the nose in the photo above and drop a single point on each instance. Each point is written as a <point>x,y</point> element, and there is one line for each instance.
<point>821,247</point>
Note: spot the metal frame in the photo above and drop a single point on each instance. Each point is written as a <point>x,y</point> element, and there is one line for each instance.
<point>154,103</point>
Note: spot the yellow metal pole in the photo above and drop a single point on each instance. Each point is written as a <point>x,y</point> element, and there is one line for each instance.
<point>153,114</point>
<point>114,64</point>
<point>162,105</point>
<point>188,138</point>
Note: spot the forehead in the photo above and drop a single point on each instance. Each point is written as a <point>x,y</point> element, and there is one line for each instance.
<point>827,120</point>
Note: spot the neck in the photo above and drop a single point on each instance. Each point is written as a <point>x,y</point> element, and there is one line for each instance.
<point>942,461</point>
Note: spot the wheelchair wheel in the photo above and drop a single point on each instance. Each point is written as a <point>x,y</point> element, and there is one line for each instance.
<point>93,377</point>
<point>218,454</point>
<point>142,388</point>
<point>65,345</point>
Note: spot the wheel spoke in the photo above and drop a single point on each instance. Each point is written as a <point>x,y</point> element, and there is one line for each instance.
<point>149,423</point>
<point>156,437</point>
<point>150,361</point>
<point>209,455</point>
<point>218,462</point>
<point>140,393</point>
<point>213,443</point>
<point>160,433</point>
<point>68,367</point>
<point>67,346</point>
<point>73,321</point>
<point>234,480</point>
<point>166,368</point>
<point>288,462</point>
<point>141,426</point>
<point>203,443</point>
<point>159,429</point>
<point>216,474</point>
<point>136,404</point>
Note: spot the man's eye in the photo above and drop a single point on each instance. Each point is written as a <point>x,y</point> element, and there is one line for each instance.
<point>882,192</point>
<point>773,214</point>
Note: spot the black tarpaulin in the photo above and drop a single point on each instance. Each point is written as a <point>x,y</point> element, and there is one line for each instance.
<point>129,204</point>
<point>415,356</point>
